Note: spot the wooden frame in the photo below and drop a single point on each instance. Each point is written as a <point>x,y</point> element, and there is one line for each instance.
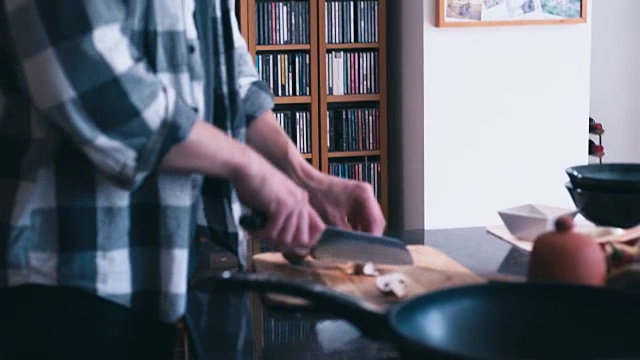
<point>473,13</point>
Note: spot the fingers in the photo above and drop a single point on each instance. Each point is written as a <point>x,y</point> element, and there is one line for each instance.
<point>344,223</point>
<point>349,204</point>
<point>367,215</point>
<point>292,229</point>
<point>316,227</point>
<point>313,228</point>
<point>373,220</point>
<point>294,257</point>
<point>290,232</point>
<point>292,223</point>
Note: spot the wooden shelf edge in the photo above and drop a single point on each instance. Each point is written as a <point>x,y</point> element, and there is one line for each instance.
<point>292,99</point>
<point>284,47</point>
<point>350,98</point>
<point>343,154</point>
<point>353,46</point>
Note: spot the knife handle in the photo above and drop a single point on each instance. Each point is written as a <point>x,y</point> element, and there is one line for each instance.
<point>254,221</point>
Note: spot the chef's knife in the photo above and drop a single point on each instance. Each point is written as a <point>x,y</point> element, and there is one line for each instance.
<point>343,245</point>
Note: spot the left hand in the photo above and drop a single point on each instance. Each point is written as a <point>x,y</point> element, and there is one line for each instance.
<point>348,204</point>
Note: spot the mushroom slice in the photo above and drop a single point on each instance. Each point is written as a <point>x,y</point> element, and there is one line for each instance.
<point>368,269</point>
<point>392,283</point>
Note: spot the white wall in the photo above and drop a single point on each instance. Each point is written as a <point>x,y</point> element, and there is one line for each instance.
<point>505,112</point>
<point>615,77</point>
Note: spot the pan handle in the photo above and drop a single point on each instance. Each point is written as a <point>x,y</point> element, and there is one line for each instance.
<point>370,319</point>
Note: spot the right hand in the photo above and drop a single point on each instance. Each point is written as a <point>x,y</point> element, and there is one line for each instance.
<point>293,226</point>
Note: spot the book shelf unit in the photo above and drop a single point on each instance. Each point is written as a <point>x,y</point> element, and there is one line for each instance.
<point>363,43</point>
<point>318,102</point>
<point>362,107</point>
<point>308,102</point>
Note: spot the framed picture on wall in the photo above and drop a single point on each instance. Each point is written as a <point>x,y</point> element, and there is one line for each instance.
<point>466,13</point>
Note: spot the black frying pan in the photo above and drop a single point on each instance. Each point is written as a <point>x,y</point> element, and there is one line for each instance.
<point>493,321</point>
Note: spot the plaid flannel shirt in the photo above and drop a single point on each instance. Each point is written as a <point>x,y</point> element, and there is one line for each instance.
<point>93,93</point>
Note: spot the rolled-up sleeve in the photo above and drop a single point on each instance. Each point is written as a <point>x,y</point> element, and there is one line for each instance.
<point>83,74</point>
<point>256,95</point>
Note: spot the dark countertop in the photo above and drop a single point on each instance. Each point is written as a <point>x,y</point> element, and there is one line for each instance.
<point>239,326</point>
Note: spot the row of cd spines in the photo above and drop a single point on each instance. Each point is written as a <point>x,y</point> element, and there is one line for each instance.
<point>287,22</point>
<point>347,73</point>
<point>347,130</point>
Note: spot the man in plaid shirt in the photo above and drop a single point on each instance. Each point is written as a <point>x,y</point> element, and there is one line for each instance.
<point>108,125</point>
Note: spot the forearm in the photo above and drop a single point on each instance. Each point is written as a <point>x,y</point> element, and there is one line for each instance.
<point>269,139</point>
<point>291,221</point>
<point>209,151</point>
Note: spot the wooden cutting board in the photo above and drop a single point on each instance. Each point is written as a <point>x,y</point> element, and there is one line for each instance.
<point>432,270</point>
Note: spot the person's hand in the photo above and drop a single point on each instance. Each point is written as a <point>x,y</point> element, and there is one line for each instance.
<point>293,226</point>
<point>344,203</point>
<point>348,204</point>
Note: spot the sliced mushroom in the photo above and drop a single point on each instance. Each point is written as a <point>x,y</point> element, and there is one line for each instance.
<point>368,269</point>
<point>393,283</point>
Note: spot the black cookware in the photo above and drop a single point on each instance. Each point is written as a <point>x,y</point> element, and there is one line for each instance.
<point>615,177</point>
<point>492,321</point>
<point>617,209</point>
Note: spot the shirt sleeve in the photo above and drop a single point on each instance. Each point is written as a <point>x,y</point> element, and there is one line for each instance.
<point>83,74</point>
<point>256,95</point>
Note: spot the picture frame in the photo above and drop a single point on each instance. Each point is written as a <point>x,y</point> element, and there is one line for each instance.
<point>472,13</point>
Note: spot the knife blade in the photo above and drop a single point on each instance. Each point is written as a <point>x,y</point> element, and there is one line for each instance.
<point>338,245</point>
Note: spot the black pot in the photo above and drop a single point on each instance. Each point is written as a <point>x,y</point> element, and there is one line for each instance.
<point>621,177</point>
<point>616,209</point>
<point>493,321</point>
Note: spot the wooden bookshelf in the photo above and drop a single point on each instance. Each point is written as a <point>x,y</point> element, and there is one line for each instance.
<point>380,98</point>
<point>242,12</point>
<point>312,49</point>
<point>319,102</point>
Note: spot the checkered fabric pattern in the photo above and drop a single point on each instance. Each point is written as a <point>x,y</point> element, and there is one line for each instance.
<point>235,97</point>
<point>93,93</point>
